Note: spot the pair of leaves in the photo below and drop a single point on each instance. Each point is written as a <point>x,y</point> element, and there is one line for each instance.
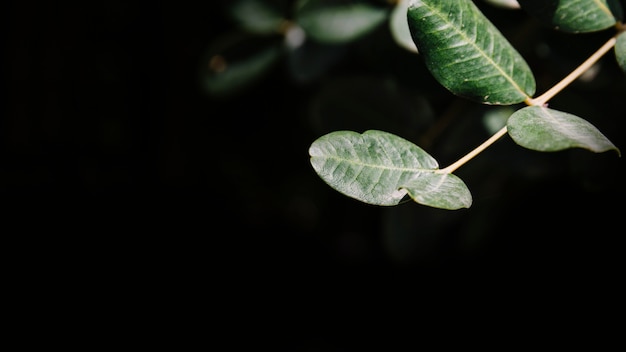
<point>468,55</point>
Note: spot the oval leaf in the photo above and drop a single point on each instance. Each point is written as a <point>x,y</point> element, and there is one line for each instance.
<point>257,16</point>
<point>330,21</point>
<point>574,16</point>
<point>467,54</point>
<point>237,63</point>
<point>380,168</point>
<point>549,130</point>
<point>620,51</point>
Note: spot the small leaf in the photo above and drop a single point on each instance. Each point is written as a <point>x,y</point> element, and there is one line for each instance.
<point>399,26</point>
<point>257,16</point>
<point>380,168</point>
<point>235,63</point>
<point>574,16</point>
<point>549,130</point>
<point>467,54</point>
<point>620,51</point>
<point>331,21</point>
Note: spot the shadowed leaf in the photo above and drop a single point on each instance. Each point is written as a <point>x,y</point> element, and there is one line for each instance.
<point>620,51</point>
<point>257,16</point>
<point>574,15</point>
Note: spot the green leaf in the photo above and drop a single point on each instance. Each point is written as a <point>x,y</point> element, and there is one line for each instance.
<point>574,16</point>
<point>257,16</point>
<point>620,51</point>
<point>236,63</point>
<point>332,21</point>
<point>380,168</point>
<point>467,54</point>
<point>549,130</point>
<point>399,26</point>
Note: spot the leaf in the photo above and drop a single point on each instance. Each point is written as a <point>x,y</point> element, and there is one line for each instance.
<point>380,168</point>
<point>467,54</point>
<point>257,16</point>
<point>236,63</point>
<point>574,16</point>
<point>332,21</point>
<point>549,130</point>
<point>399,26</point>
<point>504,4</point>
<point>620,51</point>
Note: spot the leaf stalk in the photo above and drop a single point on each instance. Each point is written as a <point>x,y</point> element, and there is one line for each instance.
<point>543,99</point>
<point>450,169</point>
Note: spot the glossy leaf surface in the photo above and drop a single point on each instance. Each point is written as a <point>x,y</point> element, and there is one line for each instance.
<point>380,168</point>
<point>574,15</point>
<point>331,21</point>
<point>467,54</point>
<point>550,130</point>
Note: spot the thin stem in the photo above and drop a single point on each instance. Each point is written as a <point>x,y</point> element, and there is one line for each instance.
<point>543,99</point>
<point>540,101</point>
<point>450,169</point>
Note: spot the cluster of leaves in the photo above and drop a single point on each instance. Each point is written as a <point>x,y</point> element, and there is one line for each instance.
<point>459,46</point>
<point>310,35</point>
<point>469,56</point>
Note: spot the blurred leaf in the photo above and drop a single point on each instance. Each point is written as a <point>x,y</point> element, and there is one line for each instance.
<point>549,130</point>
<point>399,26</point>
<point>257,16</point>
<point>236,62</point>
<point>495,119</point>
<point>504,4</point>
<point>467,54</point>
<point>380,168</point>
<point>620,51</point>
<point>574,15</point>
<point>332,21</point>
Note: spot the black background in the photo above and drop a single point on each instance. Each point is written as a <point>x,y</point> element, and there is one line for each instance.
<point>116,164</point>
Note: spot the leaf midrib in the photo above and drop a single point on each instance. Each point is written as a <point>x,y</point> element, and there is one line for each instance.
<point>479,49</point>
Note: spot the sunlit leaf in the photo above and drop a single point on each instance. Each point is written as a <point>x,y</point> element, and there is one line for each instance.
<point>574,15</point>
<point>620,51</point>
<point>399,26</point>
<point>380,168</point>
<point>257,16</point>
<point>549,130</point>
<point>467,54</point>
<point>332,21</point>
